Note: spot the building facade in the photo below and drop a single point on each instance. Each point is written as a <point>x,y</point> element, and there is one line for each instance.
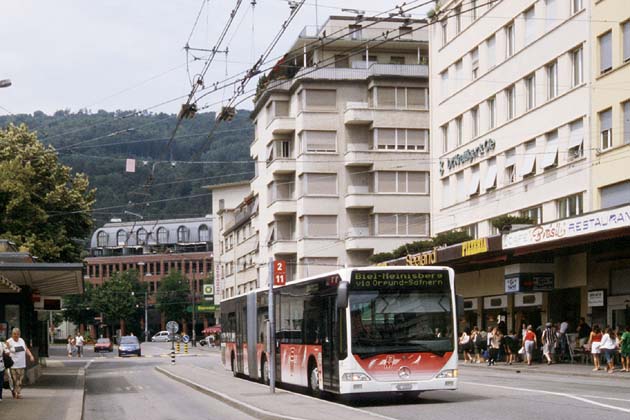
<point>531,118</point>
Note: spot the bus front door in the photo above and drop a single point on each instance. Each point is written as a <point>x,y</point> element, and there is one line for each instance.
<point>330,363</point>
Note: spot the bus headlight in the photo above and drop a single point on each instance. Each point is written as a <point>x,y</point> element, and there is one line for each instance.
<point>355,376</point>
<point>450,373</point>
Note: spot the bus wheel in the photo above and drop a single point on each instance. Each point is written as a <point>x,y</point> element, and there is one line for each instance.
<point>232,364</point>
<point>313,381</point>
<point>264,371</point>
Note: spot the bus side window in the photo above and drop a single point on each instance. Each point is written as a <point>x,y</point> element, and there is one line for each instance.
<point>341,323</point>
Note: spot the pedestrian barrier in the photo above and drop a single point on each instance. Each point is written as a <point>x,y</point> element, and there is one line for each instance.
<point>186,348</point>
<point>172,357</point>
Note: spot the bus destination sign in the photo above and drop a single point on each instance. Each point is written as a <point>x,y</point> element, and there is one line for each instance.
<point>429,280</point>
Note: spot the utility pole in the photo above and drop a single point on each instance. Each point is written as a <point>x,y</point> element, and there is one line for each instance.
<point>146,315</point>
<point>194,298</point>
<point>272,331</point>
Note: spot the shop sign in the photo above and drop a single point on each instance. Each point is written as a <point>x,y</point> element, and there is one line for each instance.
<point>569,228</point>
<point>495,302</point>
<point>596,298</point>
<point>468,155</point>
<point>202,308</point>
<point>423,258</point>
<point>529,282</point>
<point>471,304</point>
<point>476,246</point>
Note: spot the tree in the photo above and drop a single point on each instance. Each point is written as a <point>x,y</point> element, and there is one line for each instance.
<point>42,205</point>
<point>77,308</point>
<point>503,223</point>
<point>115,298</point>
<point>173,296</point>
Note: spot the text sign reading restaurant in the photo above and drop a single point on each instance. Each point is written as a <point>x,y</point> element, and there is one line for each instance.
<point>569,228</point>
<point>434,280</point>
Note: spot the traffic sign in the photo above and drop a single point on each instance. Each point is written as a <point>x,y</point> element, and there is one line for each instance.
<point>185,339</point>
<point>208,289</point>
<point>172,327</point>
<point>279,272</point>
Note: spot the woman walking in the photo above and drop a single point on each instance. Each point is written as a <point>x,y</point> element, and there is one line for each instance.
<point>549,341</point>
<point>18,350</point>
<point>466,344</point>
<point>609,347</point>
<point>495,344</point>
<point>70,346</point>
<point>529,342</point>
<point>625,350</point>
<point>4,350</point>
<point>595,340</point>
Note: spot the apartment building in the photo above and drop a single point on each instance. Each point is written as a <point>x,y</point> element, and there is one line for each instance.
<point>530,114</point>
<point>341,147</point>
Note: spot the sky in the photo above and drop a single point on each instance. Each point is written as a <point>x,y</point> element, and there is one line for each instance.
<point>128,54</point>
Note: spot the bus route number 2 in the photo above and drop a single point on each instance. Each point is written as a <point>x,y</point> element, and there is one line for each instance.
<point>279,272</point>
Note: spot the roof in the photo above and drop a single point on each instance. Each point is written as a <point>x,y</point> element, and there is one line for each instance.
<point>51,279</point>
<point>226,185</point>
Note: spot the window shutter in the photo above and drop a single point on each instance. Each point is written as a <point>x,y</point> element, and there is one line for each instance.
<point>321,184</point>
<point>576,137</point>
<point>386,97</point>
<point>551,150</point>
<point>386,138</point>
<point>605,52</point>
<point>321,141</point>
<point>321,98</point>
<point>605,120</point>
<point>386,182</point>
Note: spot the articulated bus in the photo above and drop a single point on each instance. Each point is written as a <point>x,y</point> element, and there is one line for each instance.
<point>351,331</point>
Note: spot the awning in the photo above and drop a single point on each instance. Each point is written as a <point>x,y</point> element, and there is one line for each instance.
<point>52,279</point>
<point>7,286</point>
<point>212,330</point>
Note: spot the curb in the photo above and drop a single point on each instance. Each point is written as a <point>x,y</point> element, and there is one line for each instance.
<point>232,402</point>
<point>77,404</point>
<point>527,370</point>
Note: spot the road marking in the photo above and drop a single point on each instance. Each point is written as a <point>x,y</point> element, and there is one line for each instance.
<point>605,398</point>
<point>558,394</point>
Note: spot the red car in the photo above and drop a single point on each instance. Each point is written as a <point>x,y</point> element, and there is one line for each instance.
<point>103,344</point>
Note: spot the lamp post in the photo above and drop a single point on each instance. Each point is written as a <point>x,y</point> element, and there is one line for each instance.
<point>146,302</point>
<point>194,296</point>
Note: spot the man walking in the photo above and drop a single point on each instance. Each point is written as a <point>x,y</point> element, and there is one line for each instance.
<point>79,341</point>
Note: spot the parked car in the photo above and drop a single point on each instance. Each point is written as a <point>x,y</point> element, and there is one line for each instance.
<point>103,344</point>
<point>129,345</point>
<point>207,341</point>
<point>160,337</point>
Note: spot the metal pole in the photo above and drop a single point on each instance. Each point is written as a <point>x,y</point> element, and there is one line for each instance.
<point>194,293</point>
<point>272,332</point>
<point>146,315</point>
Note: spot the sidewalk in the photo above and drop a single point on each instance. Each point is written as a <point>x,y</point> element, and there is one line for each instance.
<point>255,399</point>
<point>57,395</point>
<point>563,369</point>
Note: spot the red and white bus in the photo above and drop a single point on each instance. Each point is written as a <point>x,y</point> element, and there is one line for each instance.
<point>352,331</point>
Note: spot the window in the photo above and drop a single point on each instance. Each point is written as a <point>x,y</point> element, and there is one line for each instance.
<point>569,206</point>
<point>444,130</point>
<point>402,182</point>
<point>183,234</point>
<point>534,213</point>
<point>474,181</point>
<point>490,180</point>
<point>461,187</point>
<point>492,113</point>
<point>626,122</point>
<point>530,91</point>
<point>396,60</point>
<point>457,11</point>
<point>528,162</point>
<point>615,195</point>
<point>471,230</point>
<point>402,224</point>
<point>550,157</point>
<point>576,6</point>
<point>101,239</point>
<point>474,120</point>
<point>405,32</point>
<point>510,99</point>
<point>473,9</point>
<point>491,53</point>
<point>320,99</point>
<point>320,226</point>
<point>625,30</point>
<point>509,40</point>
<point>283,149</point>
<point>577,67</point>
<point>605,52</point>
<point>400,139</point>
<point>530,24</point>
<point>474,58</point>
<point>392,97</point>
<point>551,13</point>
<point>444,83</point>
<point>605,129</point>
<point>141,236</point>
<point>318,141</point>
<point>552,80</point>
<point>460,130</point>
<point>510,166</point>
<point>459,74</point>
<point>320,184</point>
<point>444,25</point>
<point>355,31</point>
<point>204,235</point>
<point>162,236</point>
<point>576,140</point>
<point>342,61</point>
<point>121,238</point>
<point>446,192</point>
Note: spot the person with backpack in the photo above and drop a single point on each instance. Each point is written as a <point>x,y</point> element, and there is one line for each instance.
<point>549,340</point>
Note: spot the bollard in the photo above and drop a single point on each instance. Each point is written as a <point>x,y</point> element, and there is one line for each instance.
<point>177,346</point>
<point>172,357</point>
<point>186,348</point>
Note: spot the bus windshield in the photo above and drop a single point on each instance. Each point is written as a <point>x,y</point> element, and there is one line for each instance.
<point>390,321</point>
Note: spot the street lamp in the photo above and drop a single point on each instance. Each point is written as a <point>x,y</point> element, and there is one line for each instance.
<point>5,83</point>
<point>146,303</point>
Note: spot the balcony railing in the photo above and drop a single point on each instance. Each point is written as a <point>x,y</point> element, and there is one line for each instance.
<point>331,73</point>
<point>363,34</point>
<point>358,232</point>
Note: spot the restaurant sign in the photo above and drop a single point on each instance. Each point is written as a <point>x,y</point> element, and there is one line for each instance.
<point>569,228</point>
<point>476,246</point>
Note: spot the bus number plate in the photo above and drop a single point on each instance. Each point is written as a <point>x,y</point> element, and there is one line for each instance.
<point>404,387</point>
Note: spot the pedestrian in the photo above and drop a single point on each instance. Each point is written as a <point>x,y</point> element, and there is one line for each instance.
<point>78,342</point>
<point>510,346</point>
<point>4,350</point>
<point>529,343</point>
<point>466,345</point>
<point>477,341</point>
<point>18,350</point>
<point>70,346</point>
<point>595,340</point>
<point>549,340</point>
<point>584,332</point>
<point>494,345</point>
<point>625,350</point>
<point>609,346</point>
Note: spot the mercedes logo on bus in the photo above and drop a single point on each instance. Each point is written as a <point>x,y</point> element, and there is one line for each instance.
<point>404,372</point>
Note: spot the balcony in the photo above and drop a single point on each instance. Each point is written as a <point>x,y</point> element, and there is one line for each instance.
<point>282,125</point>
<point>283,247</point>
<point>281,166</point>
<point>393,70</point>
<point>359,200</point>
<point>358,113</point>
<point>281,206</point>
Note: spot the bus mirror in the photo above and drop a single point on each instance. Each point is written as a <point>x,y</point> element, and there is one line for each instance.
<point>342,295</point>
<point>460,305</point>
